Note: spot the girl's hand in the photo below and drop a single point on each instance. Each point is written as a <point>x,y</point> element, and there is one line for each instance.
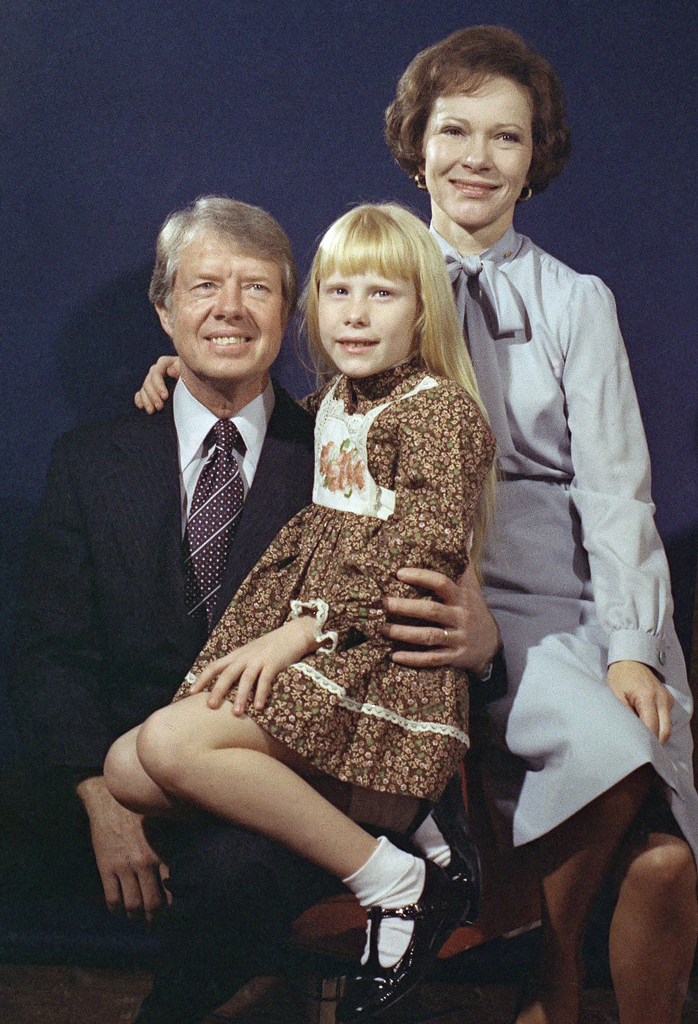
<point>256,665</point>
<point>636,686</point>
<point>153,393</point>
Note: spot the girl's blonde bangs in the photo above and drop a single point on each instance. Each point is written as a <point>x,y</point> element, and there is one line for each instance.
<point>367,241</point>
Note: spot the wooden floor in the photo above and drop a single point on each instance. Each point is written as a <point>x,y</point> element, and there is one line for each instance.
<point>65,995</point>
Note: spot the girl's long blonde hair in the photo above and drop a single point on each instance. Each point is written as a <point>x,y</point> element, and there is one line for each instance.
<point>388,239</point>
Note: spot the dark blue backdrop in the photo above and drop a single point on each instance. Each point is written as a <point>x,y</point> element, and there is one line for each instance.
<point>112,114</point>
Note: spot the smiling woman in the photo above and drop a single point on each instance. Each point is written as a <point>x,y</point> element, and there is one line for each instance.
<point>477,156</point>
<point>597,710</point>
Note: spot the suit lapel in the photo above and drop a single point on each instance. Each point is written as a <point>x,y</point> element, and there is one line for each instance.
<point>146,469</point>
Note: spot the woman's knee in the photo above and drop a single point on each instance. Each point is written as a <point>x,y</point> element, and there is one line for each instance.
<point>664,869</point>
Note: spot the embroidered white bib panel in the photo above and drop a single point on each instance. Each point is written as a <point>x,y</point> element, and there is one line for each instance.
<point>342,479</point>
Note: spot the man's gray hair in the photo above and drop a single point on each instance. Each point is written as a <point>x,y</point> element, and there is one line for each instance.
<point>252,230</point>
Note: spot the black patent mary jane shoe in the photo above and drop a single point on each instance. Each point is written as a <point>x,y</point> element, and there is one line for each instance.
<point>464,870</point>
<point>374,988</point>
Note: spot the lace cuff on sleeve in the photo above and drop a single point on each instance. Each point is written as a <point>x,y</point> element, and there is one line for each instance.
<point>328,640</point>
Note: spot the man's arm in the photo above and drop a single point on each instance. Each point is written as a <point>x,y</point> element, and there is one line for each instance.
<point>131,871</point>
<point>456,627</point>
<point>59,686</point>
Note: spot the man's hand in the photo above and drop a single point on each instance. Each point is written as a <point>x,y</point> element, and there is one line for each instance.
<point>472,636</point>
<point>255,666</point>
<point>153,392</point>
<point>636,686</point>
<point>132,873</point>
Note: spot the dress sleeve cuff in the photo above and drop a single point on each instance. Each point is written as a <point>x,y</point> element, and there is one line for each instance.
<point>634,645</point>
<point>328,640</point>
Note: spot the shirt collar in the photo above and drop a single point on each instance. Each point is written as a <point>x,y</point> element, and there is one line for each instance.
<point>193,421</point>
<point>501,252</point>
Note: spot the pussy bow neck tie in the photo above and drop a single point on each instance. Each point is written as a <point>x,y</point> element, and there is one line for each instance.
<point>489,307</point>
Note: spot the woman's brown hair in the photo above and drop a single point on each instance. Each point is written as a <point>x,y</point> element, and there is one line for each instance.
<point>461,63</point>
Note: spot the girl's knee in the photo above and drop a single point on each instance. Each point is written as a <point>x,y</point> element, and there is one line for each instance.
<point>162,751</point>
<point>121,767</point>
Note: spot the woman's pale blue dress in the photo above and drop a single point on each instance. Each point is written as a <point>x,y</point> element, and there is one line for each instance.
<point>576,574</point>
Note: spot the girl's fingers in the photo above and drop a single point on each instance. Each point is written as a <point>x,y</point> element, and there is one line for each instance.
<point>226,680</point>
<point>165,366</point>
<point>245,687</point>
<point>198,686</point>
<point>144,401</point>
<point>154,394</point>
<point>202,681</point>
<point>209,673</point>
<point>266,678</point>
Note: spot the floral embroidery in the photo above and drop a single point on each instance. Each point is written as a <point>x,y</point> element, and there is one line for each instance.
<point>341,468</point>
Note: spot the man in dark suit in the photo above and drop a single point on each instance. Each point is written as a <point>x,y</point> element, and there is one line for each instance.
<point>105,636</point>
<point>109,630</point>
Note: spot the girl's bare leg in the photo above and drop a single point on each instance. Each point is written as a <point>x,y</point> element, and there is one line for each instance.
<point>129,783</point>
<point>232,768</point>
<point>573,860</point>
<point>654,931</point>
<point>227,765</point>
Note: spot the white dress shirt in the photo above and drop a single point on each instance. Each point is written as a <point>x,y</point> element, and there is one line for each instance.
<point>193,421</point>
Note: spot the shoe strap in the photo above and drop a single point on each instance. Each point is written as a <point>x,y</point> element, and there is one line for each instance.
<point>409,913</point>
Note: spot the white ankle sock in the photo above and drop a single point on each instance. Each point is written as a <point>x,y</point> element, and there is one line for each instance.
<point>429,839</point>
<point>389,878</point>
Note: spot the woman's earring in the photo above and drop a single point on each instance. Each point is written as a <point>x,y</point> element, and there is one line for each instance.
<point>526,193</point>
<point>420,181</point>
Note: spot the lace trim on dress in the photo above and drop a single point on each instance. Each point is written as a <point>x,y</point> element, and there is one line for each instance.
<point>376,711</point>
<point>322,610</point>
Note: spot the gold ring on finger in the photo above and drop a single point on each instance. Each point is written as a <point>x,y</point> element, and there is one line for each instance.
<point>446,636</point>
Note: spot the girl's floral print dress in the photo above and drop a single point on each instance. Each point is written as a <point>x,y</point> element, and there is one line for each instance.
<point>400,461</point>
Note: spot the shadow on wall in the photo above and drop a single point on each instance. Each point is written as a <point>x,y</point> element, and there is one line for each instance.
<point>106,347</point>
<point>682,553</point>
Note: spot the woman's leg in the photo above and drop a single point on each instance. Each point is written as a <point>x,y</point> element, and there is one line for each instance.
<point>573,860</point>
<point>654,931</point>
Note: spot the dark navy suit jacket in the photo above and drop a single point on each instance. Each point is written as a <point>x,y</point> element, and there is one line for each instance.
<point>103,637</point>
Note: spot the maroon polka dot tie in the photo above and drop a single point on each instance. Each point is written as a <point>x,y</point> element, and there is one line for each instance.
<point>215,510</point>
